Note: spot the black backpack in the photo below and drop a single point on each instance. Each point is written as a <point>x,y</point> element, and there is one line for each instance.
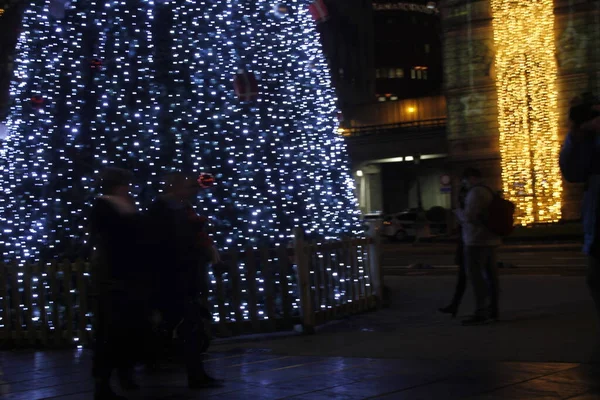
<point>500,218</point>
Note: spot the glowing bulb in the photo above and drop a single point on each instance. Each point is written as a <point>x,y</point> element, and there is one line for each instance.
<point>527,108</point>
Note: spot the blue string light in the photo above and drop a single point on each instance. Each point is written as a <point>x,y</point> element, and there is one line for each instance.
<point>278,160</point>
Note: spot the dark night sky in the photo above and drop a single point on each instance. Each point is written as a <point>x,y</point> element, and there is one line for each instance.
<point>9,23</point>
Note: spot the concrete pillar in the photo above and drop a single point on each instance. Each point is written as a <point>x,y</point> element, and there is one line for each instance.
<point>369,187</point>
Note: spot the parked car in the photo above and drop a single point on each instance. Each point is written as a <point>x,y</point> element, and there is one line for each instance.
<point>373,221</point>
<point>403,225</point>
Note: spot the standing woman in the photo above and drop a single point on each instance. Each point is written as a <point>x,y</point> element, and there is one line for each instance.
<point>459,260</point>
<point>115,228</point>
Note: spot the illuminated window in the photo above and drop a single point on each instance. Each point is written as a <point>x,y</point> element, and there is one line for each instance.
<point>391,73</point>
<point>378,73</point>
<point>418,73</point>
<point>399,73</point>
<point>427,48</point>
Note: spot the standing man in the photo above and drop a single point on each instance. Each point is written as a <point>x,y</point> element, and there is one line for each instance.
<point>580,163</point>
<point>480,247</point>
<point>180,269</point>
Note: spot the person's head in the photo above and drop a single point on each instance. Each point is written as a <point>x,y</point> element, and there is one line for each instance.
<point>584,113</point>
<point>181,187</point>
<point>471,177</point>
<point>115,182</point>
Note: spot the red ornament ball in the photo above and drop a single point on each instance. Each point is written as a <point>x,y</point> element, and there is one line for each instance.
<point>37,101</point>
<point>96,64</point>
<point>282,10</point>
<point>206,180</point>
<point>245,85</point>
<point>319,11</point>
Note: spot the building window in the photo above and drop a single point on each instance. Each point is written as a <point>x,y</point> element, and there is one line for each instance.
<point>389,73</point>
<point>427,48</point>
<point>418,73</point>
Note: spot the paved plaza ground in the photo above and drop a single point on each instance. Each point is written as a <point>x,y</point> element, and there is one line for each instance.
<point>541,349</point>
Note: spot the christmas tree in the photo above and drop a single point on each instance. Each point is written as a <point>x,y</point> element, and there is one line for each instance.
<point>246,96</point>
<point>272,143</point>
<point>83,97</point>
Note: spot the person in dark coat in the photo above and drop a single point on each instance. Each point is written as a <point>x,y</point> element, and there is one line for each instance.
<point>119,316</point>
<point>459,259</point>
<point>180,267</point>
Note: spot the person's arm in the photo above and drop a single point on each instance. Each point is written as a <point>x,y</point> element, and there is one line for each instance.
<point>101,219</point>
<point>579,158</point>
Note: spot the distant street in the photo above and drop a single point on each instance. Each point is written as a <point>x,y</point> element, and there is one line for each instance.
<point>558,259</point>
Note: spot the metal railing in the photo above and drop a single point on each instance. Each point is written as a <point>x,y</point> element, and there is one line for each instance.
<point>409,126</point>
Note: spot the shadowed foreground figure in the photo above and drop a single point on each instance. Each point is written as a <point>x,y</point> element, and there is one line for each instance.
<point>115,228</point>
<point>580,163</point>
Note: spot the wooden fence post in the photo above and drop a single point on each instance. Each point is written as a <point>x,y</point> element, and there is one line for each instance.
<point>29,334</point>
<point>82,295</point>
<point>40,270</point>
<point>303,271</point>
<point>252,288</point>
<point>16,302</point>
<point>375,269</point>
<point>4,303</point>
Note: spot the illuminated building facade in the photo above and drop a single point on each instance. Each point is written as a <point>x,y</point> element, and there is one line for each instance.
<point>408,49</point>
<point>511,68</point>
<point>347,38</point>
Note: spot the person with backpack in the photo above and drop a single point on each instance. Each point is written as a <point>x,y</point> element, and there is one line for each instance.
<point>484,219</point>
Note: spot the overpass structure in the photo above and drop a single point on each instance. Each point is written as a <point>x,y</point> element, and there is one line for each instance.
<point>399,165</point>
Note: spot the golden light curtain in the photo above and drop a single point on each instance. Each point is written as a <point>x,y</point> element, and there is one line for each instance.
<point>526,75</point>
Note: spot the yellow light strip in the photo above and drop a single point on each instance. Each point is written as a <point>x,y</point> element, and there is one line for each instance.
<point>526,76</point>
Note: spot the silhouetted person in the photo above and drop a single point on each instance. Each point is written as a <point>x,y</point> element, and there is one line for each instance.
<point>580,163</point>
<point>114,230</point>
<point>480,248</point>
<point>459,260</point>
<point>180,265</point>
